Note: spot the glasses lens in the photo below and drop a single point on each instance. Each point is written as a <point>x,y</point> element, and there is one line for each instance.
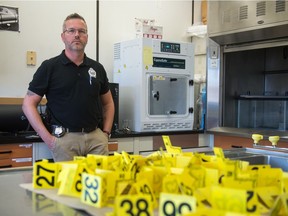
<point>72,31</point>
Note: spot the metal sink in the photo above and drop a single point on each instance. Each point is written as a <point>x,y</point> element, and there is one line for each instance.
<point>273,161</point>
<point>259,156</point>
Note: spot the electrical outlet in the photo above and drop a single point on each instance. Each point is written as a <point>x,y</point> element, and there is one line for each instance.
<point>213,52</point>
<point>31,58</point>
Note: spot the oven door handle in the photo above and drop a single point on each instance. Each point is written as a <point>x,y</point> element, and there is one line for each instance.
<point>156,95</point>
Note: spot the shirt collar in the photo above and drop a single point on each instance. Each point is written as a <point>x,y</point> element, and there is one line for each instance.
<point>66,60</point>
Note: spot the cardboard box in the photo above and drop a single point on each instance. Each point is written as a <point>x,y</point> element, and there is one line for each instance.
<point>146,28</point>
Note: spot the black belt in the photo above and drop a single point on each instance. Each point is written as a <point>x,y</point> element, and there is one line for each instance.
<point>59,131</point>
<point>83,130</point>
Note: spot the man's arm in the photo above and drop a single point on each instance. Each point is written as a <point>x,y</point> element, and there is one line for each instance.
<point>108,111</point>
<point>29,108</point>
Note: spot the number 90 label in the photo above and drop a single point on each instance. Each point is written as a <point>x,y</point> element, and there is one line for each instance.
<point>176,205</point>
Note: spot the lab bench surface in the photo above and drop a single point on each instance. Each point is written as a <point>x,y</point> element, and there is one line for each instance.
<point>32,137</point>
<point>15,200</point>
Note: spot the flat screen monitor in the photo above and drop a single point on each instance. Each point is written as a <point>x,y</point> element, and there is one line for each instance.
<point>12,119</point>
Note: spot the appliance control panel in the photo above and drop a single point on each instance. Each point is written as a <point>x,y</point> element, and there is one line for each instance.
<point>170,47</point>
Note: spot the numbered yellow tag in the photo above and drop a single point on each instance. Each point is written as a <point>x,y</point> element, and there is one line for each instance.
<point>182,161</point>
<point>270,177</point>
<point>230,168</point>
<point>170,184</point>
<point>70,178</point>
<point>176,205</point>
<point>66,179</point>
<point>128,205</point>
<point>284,198</point>
<point>186,184</point>
<point>45,174</point>
<point>92,190</point>
<point>198,174</point>
<point>77,183</point>
<point>114,161</point>
<point>219,153</point>
<point>143,187</point>
<point>227,199</point>
<point>203,197</point>
<point>111,179</point>
<point>124,187</point>
<point>100,161</point>
<point>146,173</point>
<point>211,177</point>
<point>252,202</point>
<point>280,206</point>
<point>231,182</point>
<point>214,212</point>
<point>169,147</point>
<point>158,174</point>
<point>267,196</point>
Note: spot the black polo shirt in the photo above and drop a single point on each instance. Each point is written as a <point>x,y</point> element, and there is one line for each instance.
<point>72,92</point>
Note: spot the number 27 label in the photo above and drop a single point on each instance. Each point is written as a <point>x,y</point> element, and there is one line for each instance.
<point>45,175</point>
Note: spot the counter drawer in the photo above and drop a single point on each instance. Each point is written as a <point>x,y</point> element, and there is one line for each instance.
<point>9,151</point>
<point>15,162</point>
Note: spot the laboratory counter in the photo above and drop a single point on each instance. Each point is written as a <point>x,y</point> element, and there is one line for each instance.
<point>16,200</point>
<point>247,132</point>
<point>32,137</point>
<point>228,137</point>
<point>22,149</point>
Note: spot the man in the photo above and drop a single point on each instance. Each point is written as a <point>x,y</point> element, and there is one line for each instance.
<point>79,102</point>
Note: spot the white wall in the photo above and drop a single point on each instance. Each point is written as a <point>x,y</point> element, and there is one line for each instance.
<point>41,25</point>
<point>40,28</point>
<point>117,22</point>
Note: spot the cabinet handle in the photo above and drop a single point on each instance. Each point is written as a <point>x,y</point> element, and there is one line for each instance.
<point>6,166</point>
<point>234,146</point>
<point>6,152</point>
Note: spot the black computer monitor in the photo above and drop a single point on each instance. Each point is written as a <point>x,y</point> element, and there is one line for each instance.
<point>12,119</point>
<point>114,88</point>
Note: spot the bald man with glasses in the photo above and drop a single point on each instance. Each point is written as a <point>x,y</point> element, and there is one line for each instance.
<point>80,108</point>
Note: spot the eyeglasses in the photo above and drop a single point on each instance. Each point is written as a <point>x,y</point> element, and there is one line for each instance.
<point>72,31</point>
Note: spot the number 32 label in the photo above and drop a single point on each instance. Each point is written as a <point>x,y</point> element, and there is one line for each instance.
<point>176,205</point>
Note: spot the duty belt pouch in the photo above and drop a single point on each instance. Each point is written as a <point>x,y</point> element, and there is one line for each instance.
<point>58,131</point>
<point>46,119</point>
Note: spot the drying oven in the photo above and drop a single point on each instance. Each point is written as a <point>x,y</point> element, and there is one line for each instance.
<point>155,84</point>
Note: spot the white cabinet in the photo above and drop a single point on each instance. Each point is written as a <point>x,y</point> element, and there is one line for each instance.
<point>41,151</point>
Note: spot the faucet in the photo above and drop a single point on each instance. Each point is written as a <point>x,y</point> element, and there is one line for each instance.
<point>256,138</point>
<point>274,140</point>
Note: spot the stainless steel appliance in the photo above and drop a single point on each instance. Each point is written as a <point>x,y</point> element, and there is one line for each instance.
<point>247,65</point>
<point>155,84</point>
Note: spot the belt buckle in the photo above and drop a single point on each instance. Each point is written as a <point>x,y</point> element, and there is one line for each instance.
<point>58,131</point>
